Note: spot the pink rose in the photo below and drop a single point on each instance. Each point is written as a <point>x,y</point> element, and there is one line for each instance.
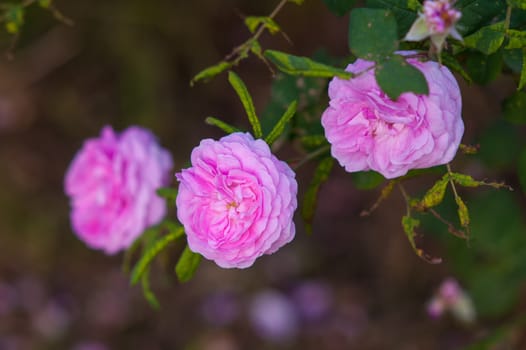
<point>367,130</point>
<point>112,183</point>
<point>237,200</point>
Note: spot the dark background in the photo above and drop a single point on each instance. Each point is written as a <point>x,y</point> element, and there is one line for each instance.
<point>130,62</point>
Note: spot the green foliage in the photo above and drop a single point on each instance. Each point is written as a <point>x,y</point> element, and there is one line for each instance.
<point>514,108</point>
<point>187,265</point>
<point>517,39</point>
<point>452,63</point>
<point>435,195</point>
<point>478,13</point>
<point>308,92</point>
<point>520,4</point>
<point>168,193</point>
<point>297,65</point>
<point>513,59</point>
<point>521,169</point>
<point>147,291</point>
<point>246,100</point>
<point>280,125</point>
<point>14,18</point>
<point>44,3</point>
<point>403,10</point>
<point>254,22</point>
<point>339,7</point>
<point>210,72</point>
<point>395,76</point>
<point>229,129</point>
<point>409,224</point>
<point>462,211</point>
<point>367,180</point>
<point>483,68</point>
<point>152,251</point>
<point>310,199</point>
<point>488,39</point>
<point>372,33</point>
<point>522,81</point>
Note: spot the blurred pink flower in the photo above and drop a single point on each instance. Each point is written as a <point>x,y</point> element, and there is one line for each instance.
<point>369,131</point>
<point>112,183</point>
<point>437,21</point>
<point>274,317</point>
<point>450,297</point>
<point>237,200</point>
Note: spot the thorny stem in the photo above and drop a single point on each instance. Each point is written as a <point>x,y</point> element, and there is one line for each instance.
<point>243,49</point>
<point>452,229</point>
<point>451,181</point>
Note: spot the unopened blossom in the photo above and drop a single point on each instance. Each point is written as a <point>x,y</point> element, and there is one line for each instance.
<point>112,183</point>
<point>369,131</point>
<point>236,201</point>
<point>437,21</point>
<point>450,297</point>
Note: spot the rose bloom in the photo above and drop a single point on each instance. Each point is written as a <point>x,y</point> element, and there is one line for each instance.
<point>437,21</point>
<point>369,131</point>
<point>237,200</point>
<point>112,184</point>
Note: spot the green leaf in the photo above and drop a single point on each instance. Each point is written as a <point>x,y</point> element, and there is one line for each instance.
<point>14,18</point>
<point>253,22</point>
<point>463,213</point>
<point>229,129</point>
<point>513,59</point>
<point>414,4</point>
<point>403,10</point>
<point>522,80</point>
<point>246,100</point>
<point>484,69</point>
<point>313,141</point>
<point>372,33</point>
<point>468,181</point>
<point>44,3</point>
<point>478,13</point>
<point>147,291</point>
<point>168,193</point>
<point>409,225</point>
<point>210,72</point>
<point>395,76</point>
<point>339,7</point>
<point>152,252</point>
<point>367,180</point>
<point>520,4</point>
<point>521,169</point>
<point>517,39</point>
<point>187,265</point>
<point>452,63</point>
<point>310,199</point>
<point>514,108</point>
<point>297,65</point>
<point>297,2</point>
<point>280,126</point>
<point>435,195</point>
<point>488,39</point>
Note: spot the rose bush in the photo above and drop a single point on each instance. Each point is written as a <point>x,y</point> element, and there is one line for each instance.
<point>237,200</point>
<point>369,131</point>
<point>112,183</point>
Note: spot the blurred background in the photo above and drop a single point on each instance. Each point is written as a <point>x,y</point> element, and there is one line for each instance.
<point>354,283</point>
